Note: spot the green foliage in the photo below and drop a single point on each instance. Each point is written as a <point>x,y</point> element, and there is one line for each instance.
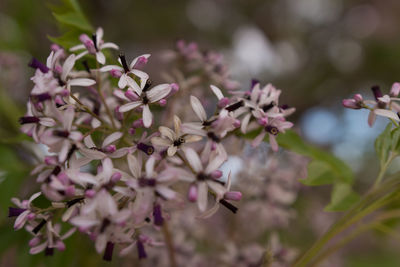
<point>71,21</point>
<point>387,144</point>
<point>324,169</point>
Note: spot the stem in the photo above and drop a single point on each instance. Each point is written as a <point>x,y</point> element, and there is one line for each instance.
<point>87,109</point>
<point>98,78</point>
<point>383,170</point>
<point>170,245</point>
<point>352,216</point>
<point>374,224</point>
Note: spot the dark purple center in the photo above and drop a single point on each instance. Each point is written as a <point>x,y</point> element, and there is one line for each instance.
<point>36,64</point>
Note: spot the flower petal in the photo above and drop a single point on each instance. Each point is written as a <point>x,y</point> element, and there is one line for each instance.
<point>147,116</point>
<point>193,159</point>
<point>198,108</point>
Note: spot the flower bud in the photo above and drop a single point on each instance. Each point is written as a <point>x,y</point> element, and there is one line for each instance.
<point>237,123</point>
<point>90,193</point>
<point>162,102</point>
<point>115,73</point>
<point>34,241</point>
<point>351,103</point>
<point>395,91</point>
<point>216,174</point>
<point>137,123</point>
<point>233,195</point>
<point>131,95</point>
<point>223,102</point>
<point>116,177</point>
<point>60,246</point>
<point>192,193</point>
<point>110,148</point>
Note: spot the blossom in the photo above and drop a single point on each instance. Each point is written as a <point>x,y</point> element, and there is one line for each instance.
<point>146,97</point>
<point>93,46</point>
<point>174,139</point>
<point>202,178</point>
<point>24,211</point>
<point>124,71</point>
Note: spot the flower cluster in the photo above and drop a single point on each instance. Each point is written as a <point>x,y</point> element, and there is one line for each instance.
<point>114,168</point>
<point>383,105</point>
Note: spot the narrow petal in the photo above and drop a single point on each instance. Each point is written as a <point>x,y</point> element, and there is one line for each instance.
<point>202,197</point>
<point>147,116</point>
<point>159,92</point>
<point>100,58</point>
<point>198,108</point>
<point>217,92</point>
<point>134,166</point>
<point>109,45</point>
<point>112,138</point>
<point>67,67</point>
<point>129,106</point>
<point>387,113</point>
<point>81,82</point>
<point>158,141</point>
<point>167,132</point>
<point>193,159</point>
<point>111,67</point>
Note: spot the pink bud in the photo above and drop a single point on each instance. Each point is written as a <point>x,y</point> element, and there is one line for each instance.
<point>192,47</point>
<point>31,216</point>
<point>116,177</point>
<point>213,146</point>
<point>131,95</point>
<point>115,73</point>
<point>350,103</point>
<point>223,102</point>
<point>90,193</point>
<point>110,148</point>
<point>60,245</point>
<point>131,131</point>
<point>174,88</point>
<point>233,195</point>
<point>358,98</point>
<point>395,91</point>
<point>141,62</point>
<point>55,47</point>
<point>237,124</point>
<point>192,194</point>
<point>137,123</point>
<point>34,241</point>
<point>162,102</point>
<point>263,121</point>
<point>88,43</point>
<point>216,174</point>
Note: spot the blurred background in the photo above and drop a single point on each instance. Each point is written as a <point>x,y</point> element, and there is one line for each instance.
<point>317,51</point>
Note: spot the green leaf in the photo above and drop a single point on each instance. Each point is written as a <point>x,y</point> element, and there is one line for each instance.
<point>383,144</point>
<point>339,169</point>
<point>76,20</point>
<point>319,173</point>
<point>72,22</point>
<point>342,198</point>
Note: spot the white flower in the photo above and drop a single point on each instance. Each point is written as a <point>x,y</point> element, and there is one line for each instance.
<point>93,46</point>
<point>173,139</point>
<point>125,70</point>
<point>145,98</point>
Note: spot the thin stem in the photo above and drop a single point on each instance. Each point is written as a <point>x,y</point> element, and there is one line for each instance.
<point>377,223</point>
<point>86,108</point>
<point>170,245</point>
<point>98,78</point>
<point>383,170</point>
<point>352,216</point>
